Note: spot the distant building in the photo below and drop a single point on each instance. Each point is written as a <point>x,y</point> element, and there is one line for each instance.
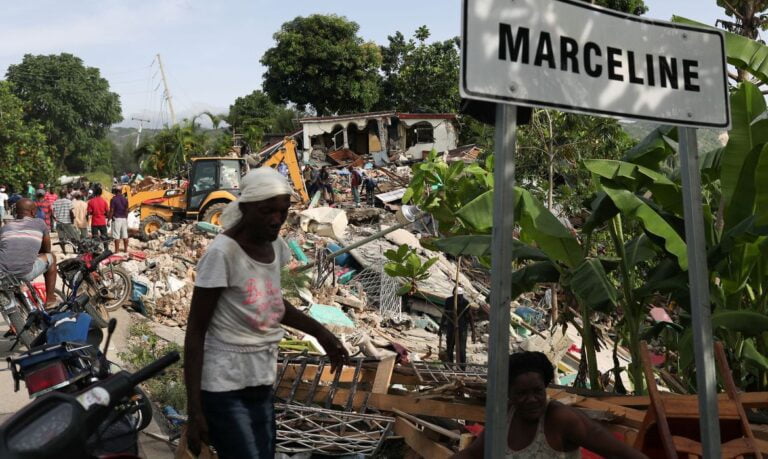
<point>385,136</point>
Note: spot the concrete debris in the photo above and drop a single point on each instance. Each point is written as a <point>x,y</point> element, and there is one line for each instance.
<point>324,221</point>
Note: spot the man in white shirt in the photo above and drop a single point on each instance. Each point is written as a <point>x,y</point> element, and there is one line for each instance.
<point>231,344</point>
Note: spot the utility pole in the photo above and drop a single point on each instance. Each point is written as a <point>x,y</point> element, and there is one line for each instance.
<point>167,91</point>
<point>141,124</point>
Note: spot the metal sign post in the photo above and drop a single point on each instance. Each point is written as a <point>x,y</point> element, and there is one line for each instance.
<point>501,280</point>
<point>698,279</point>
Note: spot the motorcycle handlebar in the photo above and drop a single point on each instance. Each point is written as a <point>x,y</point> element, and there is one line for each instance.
<point>155,367</point>
<point>97,261</point>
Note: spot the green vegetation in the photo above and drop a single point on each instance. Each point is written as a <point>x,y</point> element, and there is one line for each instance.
<point>255,115</point>
<point>419,77</point>
<point>320,61</point>
<point>72,102</point>
<point>406,264</point>
<point>144,348</point>
<point>24,154</point>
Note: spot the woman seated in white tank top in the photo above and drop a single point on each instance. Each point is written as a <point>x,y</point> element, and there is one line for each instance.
<point>540,428</point>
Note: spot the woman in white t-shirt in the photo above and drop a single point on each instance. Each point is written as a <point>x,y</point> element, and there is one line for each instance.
<point>234,323</point>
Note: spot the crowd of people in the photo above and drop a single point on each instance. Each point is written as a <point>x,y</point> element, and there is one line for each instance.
<point>73,212</point>
<point>27,218</point>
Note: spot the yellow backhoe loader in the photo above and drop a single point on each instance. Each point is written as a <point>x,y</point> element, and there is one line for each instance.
<point>213,183</point>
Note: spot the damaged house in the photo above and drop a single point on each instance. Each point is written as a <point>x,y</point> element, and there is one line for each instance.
<point>385,136</point>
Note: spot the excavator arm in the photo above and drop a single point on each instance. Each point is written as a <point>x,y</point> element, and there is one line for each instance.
<point>287,154</point>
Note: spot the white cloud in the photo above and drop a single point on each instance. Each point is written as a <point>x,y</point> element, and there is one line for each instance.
<point>65,26</point>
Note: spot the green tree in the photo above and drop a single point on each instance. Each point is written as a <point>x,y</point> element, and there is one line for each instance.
<point>255,115</point>
<point>636,7</point>
<point>23,150</point>
<point>320,61</point>
<point>420,76</point>
<point>748,20</point>
<point>554,144</point>
<point>748,17</point>
<point>166,153</point>
<point>72,102</point>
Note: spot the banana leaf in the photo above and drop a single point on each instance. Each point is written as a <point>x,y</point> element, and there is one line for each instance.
<point>745,192</point>
<point>591,285</point>
<point>478,213</point>
<point>526,278</point>
<point>631,205</point>
<point>653,149</point>
<point>747,103</point>
<point>539,226</point>
<point>761,194</point>
<point>637,178</point>
<point>603,210</point>
<point>751,354</point>
<point>749,323</point>
<point>638,250</point>
<point>480,246</point>
<point>537,223</point>
<point>710,164</point>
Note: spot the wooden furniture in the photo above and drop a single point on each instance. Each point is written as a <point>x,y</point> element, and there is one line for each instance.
<point>671,424</point>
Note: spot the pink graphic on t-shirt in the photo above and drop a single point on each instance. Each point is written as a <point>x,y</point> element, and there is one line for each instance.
<point>269,304</point>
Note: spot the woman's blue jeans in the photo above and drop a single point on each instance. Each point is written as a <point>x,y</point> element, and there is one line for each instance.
<point>241,423</point>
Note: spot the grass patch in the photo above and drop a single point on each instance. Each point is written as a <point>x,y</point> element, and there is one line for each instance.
<point>144,347</point>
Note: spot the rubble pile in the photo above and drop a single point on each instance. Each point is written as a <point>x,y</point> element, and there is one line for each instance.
<point>163,272</point>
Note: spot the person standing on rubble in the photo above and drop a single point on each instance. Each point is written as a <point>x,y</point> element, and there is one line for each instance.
<point>466,318</point>
<point>118,214</point>
<point>543,428</point>
<point>324,184</point>
<point>369,184</point>
<point>231,343</point>
<point>355,181</point>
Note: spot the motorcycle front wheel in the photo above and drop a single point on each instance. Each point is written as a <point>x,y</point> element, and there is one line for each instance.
<point>118,282</point>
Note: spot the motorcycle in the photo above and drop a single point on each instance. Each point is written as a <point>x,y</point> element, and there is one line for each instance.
<point>67,360</point>
<point>108,284</point>
<point>64,425</point>
<point>88,272</point>
<point>18,298</point>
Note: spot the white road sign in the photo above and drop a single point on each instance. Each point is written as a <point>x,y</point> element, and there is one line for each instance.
<point>573,56</point>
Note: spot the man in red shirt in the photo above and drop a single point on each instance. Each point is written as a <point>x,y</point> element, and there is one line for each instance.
<point>43,208</point>
<point>98,209</point>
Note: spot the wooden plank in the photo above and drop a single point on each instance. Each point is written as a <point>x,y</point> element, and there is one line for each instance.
<point>627,416</point>
<point>404,379</point>
<point>383,376</point>
<point>442,431</point>
<point>385,402</point>
<point>419,442</point>
<point>347,373</point>
<point>748,399</point>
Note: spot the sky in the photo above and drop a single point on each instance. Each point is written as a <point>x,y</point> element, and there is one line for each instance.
<point>211,49</point>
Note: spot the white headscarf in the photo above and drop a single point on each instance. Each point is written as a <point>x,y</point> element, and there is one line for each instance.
<point>258,185</point>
